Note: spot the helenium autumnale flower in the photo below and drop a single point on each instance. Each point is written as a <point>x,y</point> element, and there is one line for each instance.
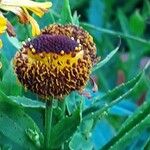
<point>57,61</point>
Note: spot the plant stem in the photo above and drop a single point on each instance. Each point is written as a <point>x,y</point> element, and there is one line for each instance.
<point>114,33</point>
<point>52,17</point>
<point>63,107</point>
<point>48,123</point>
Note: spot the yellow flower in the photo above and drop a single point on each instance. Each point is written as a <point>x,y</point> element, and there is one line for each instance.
<point>3,24</point>
<point>36,7</point>
<point>57,61</point>
<point>20,8</point>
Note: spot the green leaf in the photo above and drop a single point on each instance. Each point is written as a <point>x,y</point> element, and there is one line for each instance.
<point>5,63</point>
<point>65,129</point>
<point>66,16</point>
<point>137,23</point>
<point>134,56</point>
<point>14,123</point>
<point>147,144</point>
<point>6,99</point>
<point>14,41</point>
<point>73,101</point>
<point>8,49</point>
<point>47,19</point>
<point>75,19</point>
<point>86,126</point>
<point>10,80</point>
<point>84,143</point>
<point>27,102</point>
<point>77,4</point>
<point>109,56</point>
<point>112,97</point>
<point>139,121</point>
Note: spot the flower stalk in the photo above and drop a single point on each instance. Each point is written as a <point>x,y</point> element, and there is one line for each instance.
<point>48,123</point>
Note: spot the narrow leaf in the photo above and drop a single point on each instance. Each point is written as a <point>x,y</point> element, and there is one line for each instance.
<point>14,41</point>
<point>139,121</point>
<point>66,16</point>
<point>146,145</point>
<point>27,102</point>
<point>10,80</point>
<point>65,129</point>
<point>14,123</point>
<point>109,56</point>
<point>115,33</point>
<point>112,97</point>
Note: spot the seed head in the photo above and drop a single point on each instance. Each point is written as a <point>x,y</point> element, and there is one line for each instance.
<point>57,61</point>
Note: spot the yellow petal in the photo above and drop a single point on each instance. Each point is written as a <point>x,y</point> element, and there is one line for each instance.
<point>3,24</point>
<point>36,7</point>
<point>35,26</point>
<point>16,10</point>
<point>38,11</point>
<point>26,3</point>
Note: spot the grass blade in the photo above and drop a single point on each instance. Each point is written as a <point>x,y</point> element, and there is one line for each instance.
<point>115,33</point>
<point>139,121</point>
<point>108,57</point>
<point>113,97</point>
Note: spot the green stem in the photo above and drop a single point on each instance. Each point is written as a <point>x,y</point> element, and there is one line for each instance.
<point>63,107</point>
<point>48,123</point>
<point>114,33</point>
<point>27,31</point>
<point>52,17</point>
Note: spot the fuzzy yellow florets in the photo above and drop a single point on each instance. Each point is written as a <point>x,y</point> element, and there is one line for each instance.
<point>56,62</point>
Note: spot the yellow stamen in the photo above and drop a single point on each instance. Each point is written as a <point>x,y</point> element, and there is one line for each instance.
<point>62,60</point>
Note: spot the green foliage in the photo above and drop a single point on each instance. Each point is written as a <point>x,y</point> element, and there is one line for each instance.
<point>10,80</point>
<point>139,121</point>
<point>14,123</point>
<point>66,16</point>
<point>137,24</point>
<point>27,102</point>
<point>112,97</point>
<point>65,129</point>
<point>103,62</point>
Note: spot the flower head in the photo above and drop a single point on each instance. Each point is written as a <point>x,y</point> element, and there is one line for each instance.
<point>57,61</point>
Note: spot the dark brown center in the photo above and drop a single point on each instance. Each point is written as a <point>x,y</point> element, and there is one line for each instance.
<point>53,43</point>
